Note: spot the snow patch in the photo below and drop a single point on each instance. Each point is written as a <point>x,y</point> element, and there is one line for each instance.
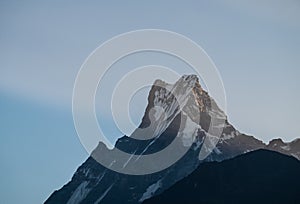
<point>217,150</point>
<point>104,194</point>
<point>287,147</point>
<point>101,177</point>
<point>198,144</point>
<point>189,132</point>
<point>150,191</point>
<point>80,193</point>
<point>246,151</point>
<point>125,164</point>
<point>229,136</point>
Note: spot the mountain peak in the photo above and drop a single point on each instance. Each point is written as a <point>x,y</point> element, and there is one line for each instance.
<point>289,148</point>
<point>185,95</point>
<point>276,142</point>
<point>168,105</point>
<point>192,80</point>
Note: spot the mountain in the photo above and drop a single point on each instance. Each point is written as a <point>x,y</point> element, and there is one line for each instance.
<point>288,148</point>
<point>260,176</point>
<point>184,102</point>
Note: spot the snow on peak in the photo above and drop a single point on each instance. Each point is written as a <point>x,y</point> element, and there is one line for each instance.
<point>169,96</point>
<point>166,101</point>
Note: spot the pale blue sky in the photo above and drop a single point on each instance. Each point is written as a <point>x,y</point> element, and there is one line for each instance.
<point>254,44</point>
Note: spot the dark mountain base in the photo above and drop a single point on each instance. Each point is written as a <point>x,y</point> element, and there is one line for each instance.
<point>261,176</point>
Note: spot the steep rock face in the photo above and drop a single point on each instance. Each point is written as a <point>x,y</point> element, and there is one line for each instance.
<point>94,183</point>
<point>260,176</point>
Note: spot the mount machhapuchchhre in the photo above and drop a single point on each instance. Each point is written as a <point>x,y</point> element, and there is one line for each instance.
<point>94,183</point>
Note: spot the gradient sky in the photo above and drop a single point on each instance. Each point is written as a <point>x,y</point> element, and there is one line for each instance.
<point>254,44</point>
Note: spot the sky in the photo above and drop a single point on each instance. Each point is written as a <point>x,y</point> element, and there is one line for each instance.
<point>254,44</point>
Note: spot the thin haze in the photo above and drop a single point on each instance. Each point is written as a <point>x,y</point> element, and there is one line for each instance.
<point>254,44</point>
